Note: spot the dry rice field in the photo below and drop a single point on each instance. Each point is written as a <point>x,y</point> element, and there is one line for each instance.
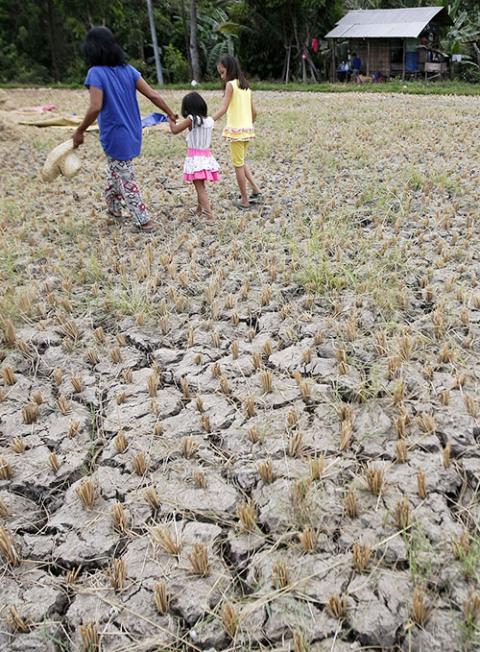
<point>256,433</point>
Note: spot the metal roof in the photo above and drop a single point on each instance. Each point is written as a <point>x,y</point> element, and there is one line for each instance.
<point>381,23</point>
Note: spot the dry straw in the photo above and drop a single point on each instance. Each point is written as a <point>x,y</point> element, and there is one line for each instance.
<point>230,619</point>
<point>199,560</point>
<point>87,493</point>
<point>163,537</point>
<point>162,598</point>
<point>337,606</point>
<point>15,621</point>
<point>8,549</point>
<point>90,638</point>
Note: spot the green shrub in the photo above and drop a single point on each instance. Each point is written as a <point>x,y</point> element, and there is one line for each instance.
<point>176,66</point>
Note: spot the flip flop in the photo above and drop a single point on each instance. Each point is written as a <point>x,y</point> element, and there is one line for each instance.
<point>241,206</point>
<point>149,229</point>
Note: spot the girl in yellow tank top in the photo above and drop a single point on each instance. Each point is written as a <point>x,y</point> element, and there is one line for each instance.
<point>238,105</point>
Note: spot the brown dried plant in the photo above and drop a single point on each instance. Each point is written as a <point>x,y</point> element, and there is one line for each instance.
<point>4,511</point>
<point>127,375</point>
<point>444,397</point>
<point>375,478</point>
<point>161,597</point>
<point>230,619</point>
<point>199,560</point>
<point>37,397</point>
<point>99,335</point>
<point>361,554</point>
<point>152,498</point>
<point>30,413</point>
<point>280,574</point>
<point>8,550</point>
<point>462,546</point>
<point>139,463</point>
<point>300,643</point>
<point>292,418</point>
<point>307,539</point>
<point>117,574</point>
<point>471,405</point>
<point>317,466</point>
<point>164,538</point>
<point>224,386</point>
<point>247,516</point>
<point>119,518</point>
<point>401,452</point>
<point>235,349</point>
<point>87,493</point>
<point>471,608</point>
<point>266,381</point>
<point>346,434</point>
<point>18,445</point>
<point>205,422</point>
<point>403,515</point>
<point>250,406</point>
<point>92,357</point>
<point>305,390</point>
<point>257,360</point>
<point>295,444</point>
<point>420,611</point>
<point>265,471</point>
<point>447,455</point>
<point>116,355</point>
<point>72,575</point>
<point>16,622</point>
<point>421,484</point>
<point>121,442</point>
<point>77,384</point>
<point>427,423</point>
<point>54,461</point>
<point>351,503</point>
<point>253,434</point>
<point>90,637</point>
<point>8,376</point>
<point>189,447</point>
<point>199,479</point>
<point>152,384</point>
<point>406,347</point>
<point>63,404</point>
<point>57,376</point>
<point>199,404</point>
<point>9,333</point>
<point>216,370</point>
<point>337,606</point>
<point>6,470</point>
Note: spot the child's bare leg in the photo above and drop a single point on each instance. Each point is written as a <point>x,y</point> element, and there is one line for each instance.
<point>202,197</point>
<point>242,185</point>
<point>251,180</point>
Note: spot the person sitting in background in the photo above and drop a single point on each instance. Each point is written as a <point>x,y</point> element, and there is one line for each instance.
<point>356,66</point>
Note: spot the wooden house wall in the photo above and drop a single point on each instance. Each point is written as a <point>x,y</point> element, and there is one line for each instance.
<point>379,54</point>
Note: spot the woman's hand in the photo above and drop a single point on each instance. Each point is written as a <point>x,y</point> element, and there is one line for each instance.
<point>78,137</point>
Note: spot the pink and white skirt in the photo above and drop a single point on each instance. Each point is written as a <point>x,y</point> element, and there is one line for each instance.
<point>200,165</point>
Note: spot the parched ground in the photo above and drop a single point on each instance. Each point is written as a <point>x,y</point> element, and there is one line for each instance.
<point>260,433</point>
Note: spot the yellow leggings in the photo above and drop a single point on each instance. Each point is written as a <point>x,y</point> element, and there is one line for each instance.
<point>237,152</point>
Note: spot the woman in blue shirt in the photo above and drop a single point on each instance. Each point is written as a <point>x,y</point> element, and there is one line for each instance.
<point>112,84</point>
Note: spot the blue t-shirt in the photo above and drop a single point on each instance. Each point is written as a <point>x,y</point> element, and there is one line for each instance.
<point>119,120</point>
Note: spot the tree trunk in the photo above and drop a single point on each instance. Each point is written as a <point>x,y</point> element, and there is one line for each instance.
<point>194,55</point>
<point>52,41</point>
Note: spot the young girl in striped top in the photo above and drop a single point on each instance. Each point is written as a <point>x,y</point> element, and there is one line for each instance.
<point>200,166</point>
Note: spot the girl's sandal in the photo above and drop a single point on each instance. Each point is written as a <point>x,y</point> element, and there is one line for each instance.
<point>116,217</point>
<point>148,227</point>
<point>239,205</point>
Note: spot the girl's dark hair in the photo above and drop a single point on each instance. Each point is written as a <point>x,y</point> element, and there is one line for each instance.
<point>234,71</point>
<point>193,104</point>
<point>101,49</point>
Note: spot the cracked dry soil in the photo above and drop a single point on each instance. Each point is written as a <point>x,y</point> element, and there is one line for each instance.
<point>259,433</point>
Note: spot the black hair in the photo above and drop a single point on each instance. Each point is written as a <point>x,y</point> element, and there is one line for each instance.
<point>193,104</point>
<point>234,71</point>
<point>101,49</point>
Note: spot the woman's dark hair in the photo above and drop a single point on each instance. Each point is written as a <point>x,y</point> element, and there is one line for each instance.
<point>101,49</point>
<point>234,71</point>
<point>193,104</point>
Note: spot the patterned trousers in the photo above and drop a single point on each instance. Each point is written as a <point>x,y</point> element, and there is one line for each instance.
<point>122,187</point>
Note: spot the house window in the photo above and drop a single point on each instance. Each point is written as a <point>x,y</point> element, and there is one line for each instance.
<point>396,52</point>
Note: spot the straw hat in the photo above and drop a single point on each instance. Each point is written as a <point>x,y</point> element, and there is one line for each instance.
<point>61,160</point>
